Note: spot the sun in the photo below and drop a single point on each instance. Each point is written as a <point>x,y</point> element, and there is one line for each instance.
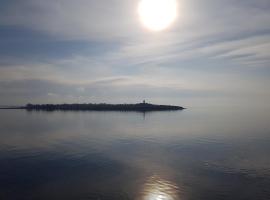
<point>157,15</point>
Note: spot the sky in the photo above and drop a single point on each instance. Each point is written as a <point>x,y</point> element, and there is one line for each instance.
<point>65,51</point>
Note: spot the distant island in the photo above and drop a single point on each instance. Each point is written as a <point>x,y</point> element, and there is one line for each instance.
<point>141,107</point>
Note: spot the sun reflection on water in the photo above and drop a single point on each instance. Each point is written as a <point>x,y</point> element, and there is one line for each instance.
<point>156,188</point>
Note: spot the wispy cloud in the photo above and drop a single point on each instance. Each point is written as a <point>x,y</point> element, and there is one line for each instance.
<point>96,48</point>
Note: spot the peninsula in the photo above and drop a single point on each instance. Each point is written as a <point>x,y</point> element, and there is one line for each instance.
<point>141,107</point>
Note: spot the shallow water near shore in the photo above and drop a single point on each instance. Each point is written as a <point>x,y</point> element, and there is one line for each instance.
<point>198,153</point>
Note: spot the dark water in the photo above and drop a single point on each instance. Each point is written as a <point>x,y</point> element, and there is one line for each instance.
<point>195,154</point>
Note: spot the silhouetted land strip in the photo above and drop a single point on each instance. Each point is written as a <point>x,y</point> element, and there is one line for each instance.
<point>12,107</point>
<point>143,107</point>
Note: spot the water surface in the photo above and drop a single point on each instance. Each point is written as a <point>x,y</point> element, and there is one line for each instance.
<point>198,153</point>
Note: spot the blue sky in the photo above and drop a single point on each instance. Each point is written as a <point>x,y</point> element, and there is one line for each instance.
<point>57,51</point>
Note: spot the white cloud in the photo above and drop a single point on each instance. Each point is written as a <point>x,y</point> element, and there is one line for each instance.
<point>208,32</point>
<point>206,28</point>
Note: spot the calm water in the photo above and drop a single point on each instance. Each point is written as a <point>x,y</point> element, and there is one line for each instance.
<point>202,154</point>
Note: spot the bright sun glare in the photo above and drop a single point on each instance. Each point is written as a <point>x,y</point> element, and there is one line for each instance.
<point>157,15</point>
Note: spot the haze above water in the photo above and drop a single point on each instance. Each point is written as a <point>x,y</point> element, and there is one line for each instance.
<point>199,153</point>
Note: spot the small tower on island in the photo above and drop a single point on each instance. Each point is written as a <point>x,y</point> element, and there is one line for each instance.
<point>144,102</point>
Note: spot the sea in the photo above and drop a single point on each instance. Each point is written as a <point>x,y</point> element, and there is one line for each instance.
<point>200,153</point>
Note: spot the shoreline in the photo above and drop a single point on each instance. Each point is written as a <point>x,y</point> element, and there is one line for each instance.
<point>140,107</point>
